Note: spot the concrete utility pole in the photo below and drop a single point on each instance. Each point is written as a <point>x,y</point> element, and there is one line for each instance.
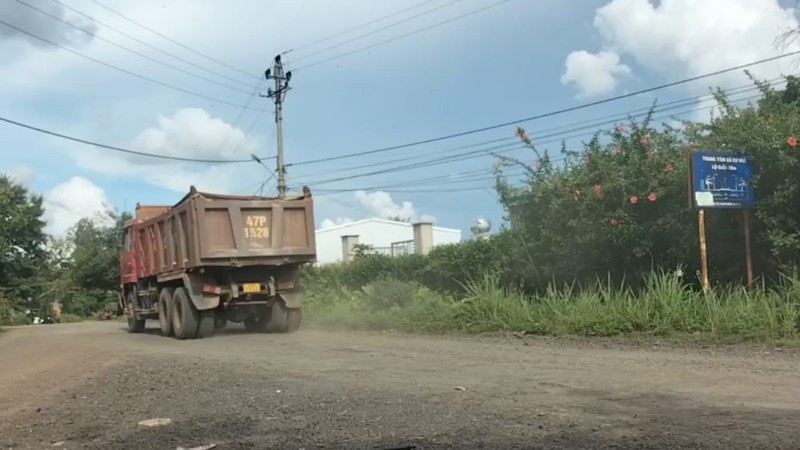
<point>277,95</point>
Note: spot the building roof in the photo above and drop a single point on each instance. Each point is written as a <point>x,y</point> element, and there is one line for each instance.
<point>378,220</point>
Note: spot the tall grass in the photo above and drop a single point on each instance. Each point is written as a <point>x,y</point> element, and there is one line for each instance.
<point>665,305</point>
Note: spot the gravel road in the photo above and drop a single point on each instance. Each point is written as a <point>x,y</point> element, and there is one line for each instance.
<point>89,386</point>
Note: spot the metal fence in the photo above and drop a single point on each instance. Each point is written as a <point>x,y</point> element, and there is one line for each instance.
<point>395,249</point>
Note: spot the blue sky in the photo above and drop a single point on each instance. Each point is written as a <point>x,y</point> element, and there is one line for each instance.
<point>517,59</point>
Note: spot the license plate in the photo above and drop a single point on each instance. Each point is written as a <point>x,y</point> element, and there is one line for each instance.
<point>250,288</point>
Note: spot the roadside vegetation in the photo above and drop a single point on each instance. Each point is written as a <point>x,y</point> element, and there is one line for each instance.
<point>78,272</point>
<point>597,240</point>
<point>600,241</point>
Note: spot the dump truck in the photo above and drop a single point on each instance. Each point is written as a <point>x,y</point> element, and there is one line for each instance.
<point>212,258</point>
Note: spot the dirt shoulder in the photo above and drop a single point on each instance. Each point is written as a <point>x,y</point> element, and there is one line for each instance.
<point>89,385</point>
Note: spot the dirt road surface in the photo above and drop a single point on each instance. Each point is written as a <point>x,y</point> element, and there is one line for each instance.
<point>89,385</point>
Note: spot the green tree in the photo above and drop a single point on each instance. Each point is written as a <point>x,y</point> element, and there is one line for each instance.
<point>619,205</point>
<point>615,206</point>
<point>94,264</point>
<point>22,242</point>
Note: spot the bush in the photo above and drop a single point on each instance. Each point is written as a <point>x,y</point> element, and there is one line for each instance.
<point>666,305</point>
<point>69,318</point>
<point>444,269</point>
<point>380,305</point>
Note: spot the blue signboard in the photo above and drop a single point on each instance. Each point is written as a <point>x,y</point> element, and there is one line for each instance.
<point>722,180</point>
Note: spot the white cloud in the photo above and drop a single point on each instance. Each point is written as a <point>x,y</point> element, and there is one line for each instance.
<point>380,204</point>
<point>685,38</point>
<point>52,24</point>
<point>189,133</point>
<point>193,133</point>
<point>593,74</point>
<point>73,200</point>
<point>328,223</point>
<point>21,175</point>
<point>370,205</point>
<point>89,100</point>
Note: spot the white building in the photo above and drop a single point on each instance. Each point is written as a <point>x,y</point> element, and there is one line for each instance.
<point>384,236</point>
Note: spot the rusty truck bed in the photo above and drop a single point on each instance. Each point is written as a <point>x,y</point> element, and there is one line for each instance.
<point>205,229</point>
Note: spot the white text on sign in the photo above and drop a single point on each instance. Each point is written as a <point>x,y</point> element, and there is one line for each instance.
<point>256,228</point>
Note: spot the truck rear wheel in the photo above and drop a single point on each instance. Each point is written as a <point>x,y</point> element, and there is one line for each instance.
<point>294,317</point>
<point>207,322</point>
<point>135,324</point>
<point>185,318</point>
<point>165,310</point>
<point>277,318</point>
<point>220,319</point>
<point>283,319</point>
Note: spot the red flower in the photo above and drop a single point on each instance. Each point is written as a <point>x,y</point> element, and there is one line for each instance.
<point>668,168</point>
<point>660,221</point>
<point>792,141</point>
<point>634,200</point>
<point>614,222</point>
<point>617,149</point>
<point>649,154</point>
<point>621,128</point>
<point>643,140</point>
<point>597,187</point>
<point>654,183</point>
<point>651,197</point>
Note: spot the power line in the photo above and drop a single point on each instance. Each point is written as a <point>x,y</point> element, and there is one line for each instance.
<point>443,180</point>
<point>404,159</point>
<point>386,27</point>
<point>172,40</point>
<point>335,35</point>
<point>163,52</point>
<point>142,55</point>
<point>479,153</point>
<point>551,132</point>
<point>549,114</point>
<point>124,150</point>
<point>342,55</point>
<point>241,113</point>
<point>120,69</point>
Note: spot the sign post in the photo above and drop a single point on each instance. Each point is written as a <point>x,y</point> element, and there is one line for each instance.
<point>748,253</point>
<point>721,181</point>
<point>701,226</point>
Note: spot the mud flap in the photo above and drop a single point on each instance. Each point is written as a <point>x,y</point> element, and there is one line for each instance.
<point>291,299</point>
<point>202,300</point>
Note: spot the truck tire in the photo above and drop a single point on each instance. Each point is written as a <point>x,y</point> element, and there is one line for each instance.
<point>165,309</point>
<point>278,319</point>
<point>135,324</point>
<point>185,318</point>
<point>294,317</point>
<point>220,319</point>
<point>207,321</point>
